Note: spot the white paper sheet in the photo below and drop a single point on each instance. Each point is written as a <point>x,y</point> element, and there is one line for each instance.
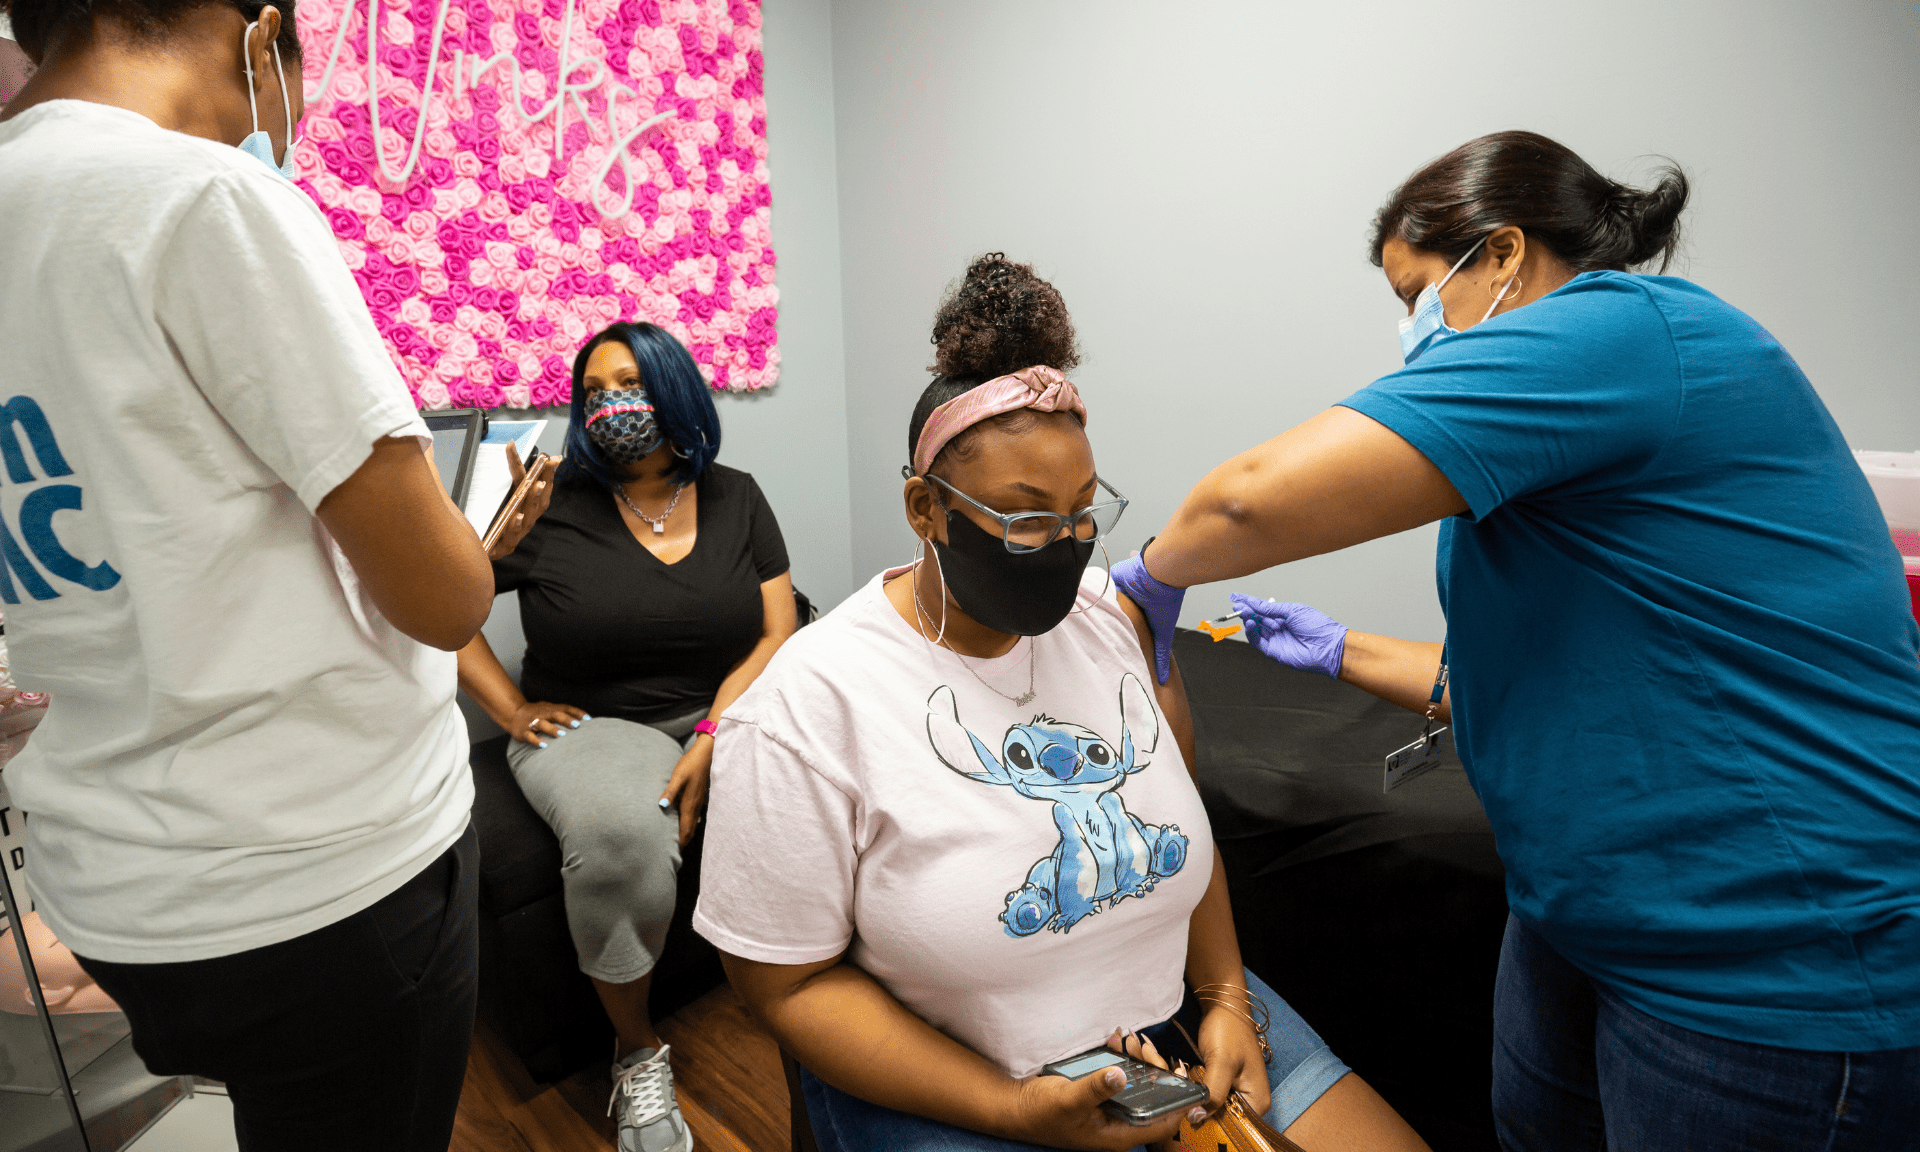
<point>492,478</point>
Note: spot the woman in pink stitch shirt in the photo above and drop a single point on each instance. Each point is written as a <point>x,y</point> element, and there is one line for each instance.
<point>954,836</point>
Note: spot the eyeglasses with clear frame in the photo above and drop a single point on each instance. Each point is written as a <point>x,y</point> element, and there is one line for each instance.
<point>1032,531</point>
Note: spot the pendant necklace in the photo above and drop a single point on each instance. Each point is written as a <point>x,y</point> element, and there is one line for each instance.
<point>1020,701</point>
<point>660,525</point>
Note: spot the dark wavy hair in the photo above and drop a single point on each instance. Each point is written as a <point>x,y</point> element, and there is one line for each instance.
<point>36,23</point>
<point>682,405</point>
<point>1001,317</point>
<point>1547,191</point>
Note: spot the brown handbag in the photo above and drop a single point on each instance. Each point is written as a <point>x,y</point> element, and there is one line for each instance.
<point>1235,1128</point>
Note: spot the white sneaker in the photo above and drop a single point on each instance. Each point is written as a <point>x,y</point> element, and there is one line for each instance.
<point>650,1119</point>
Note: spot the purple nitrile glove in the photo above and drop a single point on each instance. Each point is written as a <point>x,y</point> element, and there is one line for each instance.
<point>1159,602</point>
<point>1294,634</point>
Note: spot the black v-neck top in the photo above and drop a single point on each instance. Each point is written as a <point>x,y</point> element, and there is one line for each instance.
<point>616,632</point>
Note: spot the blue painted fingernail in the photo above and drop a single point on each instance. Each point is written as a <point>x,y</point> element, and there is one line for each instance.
<point>586,717</point>
<point>561,732</point>
<point>543,743</point>
<point>576,723</point>
<point>665,803</point>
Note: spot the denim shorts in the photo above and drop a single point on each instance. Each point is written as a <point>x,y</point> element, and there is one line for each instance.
<point>1303,1069</point>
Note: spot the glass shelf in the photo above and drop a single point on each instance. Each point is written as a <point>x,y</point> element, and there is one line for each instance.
<point>69,1082</point>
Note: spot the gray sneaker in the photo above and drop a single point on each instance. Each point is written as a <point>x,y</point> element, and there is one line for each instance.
<point>650,1119</point>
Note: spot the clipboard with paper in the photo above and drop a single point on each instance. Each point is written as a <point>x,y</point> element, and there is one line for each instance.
<point>491,489</point>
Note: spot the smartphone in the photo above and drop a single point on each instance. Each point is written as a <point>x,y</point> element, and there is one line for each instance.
<point>536,460</point>
<point>1150,1092</point>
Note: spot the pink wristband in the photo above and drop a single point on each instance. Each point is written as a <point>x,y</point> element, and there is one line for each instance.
<point>707,726</point>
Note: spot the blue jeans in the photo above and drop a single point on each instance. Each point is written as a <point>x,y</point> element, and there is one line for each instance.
<point>1576,1068</point>
<point>1303,1068</point>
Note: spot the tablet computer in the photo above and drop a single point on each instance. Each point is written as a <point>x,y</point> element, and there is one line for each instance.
<point>457,433</point>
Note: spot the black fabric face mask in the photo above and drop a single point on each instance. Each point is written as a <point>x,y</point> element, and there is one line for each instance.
<point>1023,593</point>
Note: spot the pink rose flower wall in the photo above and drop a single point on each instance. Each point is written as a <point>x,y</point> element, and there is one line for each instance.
<point>525,210</point>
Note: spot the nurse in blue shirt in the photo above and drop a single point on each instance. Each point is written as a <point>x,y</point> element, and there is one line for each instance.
<point>1684,679</point>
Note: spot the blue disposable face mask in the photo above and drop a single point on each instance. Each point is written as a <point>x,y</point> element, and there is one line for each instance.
<point>258,144</point>
<point>1428,325</point>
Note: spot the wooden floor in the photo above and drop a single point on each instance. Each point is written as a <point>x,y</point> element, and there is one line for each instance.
<point>726,1072</point>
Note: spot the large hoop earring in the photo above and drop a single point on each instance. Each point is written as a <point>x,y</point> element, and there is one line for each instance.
<point>920,612</point>
<point>1108,557</point>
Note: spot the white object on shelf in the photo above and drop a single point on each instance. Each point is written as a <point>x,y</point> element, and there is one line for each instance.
<point>1895,477</point>
<point>201,1123</point>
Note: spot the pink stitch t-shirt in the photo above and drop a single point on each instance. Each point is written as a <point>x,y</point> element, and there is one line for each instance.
<point>1020,876</point>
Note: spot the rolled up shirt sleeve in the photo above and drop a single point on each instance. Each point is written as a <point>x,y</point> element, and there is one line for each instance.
<point>777,874</point>
<point>269,323</point>
<point>1574,392</point>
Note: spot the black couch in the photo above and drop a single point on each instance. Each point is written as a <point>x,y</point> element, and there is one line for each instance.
<point>1377,916</point>
<point>531,988</point>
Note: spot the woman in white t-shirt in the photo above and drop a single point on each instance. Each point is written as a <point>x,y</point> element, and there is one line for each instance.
<point>250,794</point>
<point>953,833</point>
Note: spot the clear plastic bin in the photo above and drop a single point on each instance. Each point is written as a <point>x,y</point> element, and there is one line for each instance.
<point>1895,477</point>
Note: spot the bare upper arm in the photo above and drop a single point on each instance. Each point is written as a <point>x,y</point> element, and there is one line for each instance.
<point>414,552</point>
<point>766,986</point>
<point>780,616</point>
<point>1343,478</point>
<point>1339,479</point>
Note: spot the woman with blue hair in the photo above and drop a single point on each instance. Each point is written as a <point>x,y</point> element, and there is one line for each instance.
<point>653,591</point>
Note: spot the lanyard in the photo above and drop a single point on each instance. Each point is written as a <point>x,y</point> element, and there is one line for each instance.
<point>1423,754</point>
<point>1439,691</point>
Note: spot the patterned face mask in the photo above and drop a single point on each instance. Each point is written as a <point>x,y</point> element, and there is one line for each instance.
<point>622,426</point>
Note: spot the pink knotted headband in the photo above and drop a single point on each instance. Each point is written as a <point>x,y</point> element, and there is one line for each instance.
<point>1040,388</point>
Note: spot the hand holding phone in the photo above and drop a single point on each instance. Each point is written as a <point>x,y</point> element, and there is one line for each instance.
<point>532,492</point>
<point>1058,1112</point>
<point>1148,1093</point>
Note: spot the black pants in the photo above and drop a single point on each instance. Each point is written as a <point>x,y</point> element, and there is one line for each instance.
<point>352,1036</point>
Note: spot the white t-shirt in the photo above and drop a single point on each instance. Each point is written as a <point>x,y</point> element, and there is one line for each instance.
<point>240,749</point>
<point>1020,876</point>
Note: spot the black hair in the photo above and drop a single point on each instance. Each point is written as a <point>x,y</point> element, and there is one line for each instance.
<point>682,405</point>
<point>1001,317</point>
<point>1547,191</point>
<point>37,23</point>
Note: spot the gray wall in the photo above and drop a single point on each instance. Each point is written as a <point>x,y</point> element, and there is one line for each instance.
<point>1199,187</point>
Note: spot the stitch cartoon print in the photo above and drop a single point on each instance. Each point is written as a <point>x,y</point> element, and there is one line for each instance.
<point>1105,853</point>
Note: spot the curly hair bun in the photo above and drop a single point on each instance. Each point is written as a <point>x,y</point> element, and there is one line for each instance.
<point>1000,318</point>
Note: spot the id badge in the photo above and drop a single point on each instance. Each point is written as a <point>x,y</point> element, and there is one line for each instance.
<point>1416,759</point>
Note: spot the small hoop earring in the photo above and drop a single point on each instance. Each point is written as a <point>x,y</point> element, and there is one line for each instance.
<point>1500,298</point>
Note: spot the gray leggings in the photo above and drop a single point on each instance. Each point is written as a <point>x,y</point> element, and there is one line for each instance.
<point>598,787</point>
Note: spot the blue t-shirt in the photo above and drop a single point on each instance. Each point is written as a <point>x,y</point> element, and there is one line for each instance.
<point>1685,682</point>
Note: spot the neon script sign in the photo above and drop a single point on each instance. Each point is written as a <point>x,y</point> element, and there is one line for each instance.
<point>467,70</point>
<point>506,177</point>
